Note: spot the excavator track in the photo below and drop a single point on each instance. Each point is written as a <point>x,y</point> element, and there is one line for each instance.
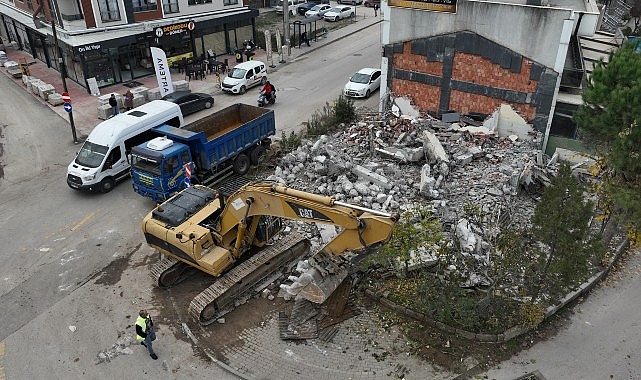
<point>218,299</point>
<point>169,272</point>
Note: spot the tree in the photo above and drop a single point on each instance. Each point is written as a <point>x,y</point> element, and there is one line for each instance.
<point>609,118</point>
<point>561,223</point>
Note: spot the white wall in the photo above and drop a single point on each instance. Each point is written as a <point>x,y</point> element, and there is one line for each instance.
<point>534,32</point>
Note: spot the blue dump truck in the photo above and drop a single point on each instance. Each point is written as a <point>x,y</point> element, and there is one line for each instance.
<point>205,151</point>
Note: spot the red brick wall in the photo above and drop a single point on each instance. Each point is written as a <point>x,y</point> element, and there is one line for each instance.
<point>424,97</point>
<point>418,63</point>
<point>87,11</point>
<point>466,68</point>
<point>476,69</point>
<point>150,15</point>
<point>464,102</point>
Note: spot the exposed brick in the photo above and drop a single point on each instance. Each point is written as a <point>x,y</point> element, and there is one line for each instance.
<point>418,63</point>
<point>424,97</point>
<point>476,69</point>
<point>465,102</point>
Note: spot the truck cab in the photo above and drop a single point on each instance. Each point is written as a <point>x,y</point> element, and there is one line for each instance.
<point>158,168</point>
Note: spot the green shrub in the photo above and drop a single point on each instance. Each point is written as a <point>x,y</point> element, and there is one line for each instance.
<point>344,110</point>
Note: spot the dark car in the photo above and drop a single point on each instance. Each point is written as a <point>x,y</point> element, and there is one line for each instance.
<point>302,8</point>
<point>190,102</point>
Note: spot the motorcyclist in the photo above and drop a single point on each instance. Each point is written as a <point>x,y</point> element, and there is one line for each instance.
<point>269,90</point>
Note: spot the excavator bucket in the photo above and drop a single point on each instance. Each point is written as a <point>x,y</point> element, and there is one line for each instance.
<point>324,276</point>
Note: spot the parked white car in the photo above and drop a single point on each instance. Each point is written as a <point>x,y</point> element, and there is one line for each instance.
<point>243,76</point>
<point>339,13</point>
<point>318,10</point>
<point>291,5</point>
<point>363,83</point>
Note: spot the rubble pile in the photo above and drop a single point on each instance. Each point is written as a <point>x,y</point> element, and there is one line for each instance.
<point>395,164</point>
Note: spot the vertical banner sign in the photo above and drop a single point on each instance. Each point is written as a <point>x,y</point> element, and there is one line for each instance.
<point>268,46</point>
<point>162,71</point>
<point>279,45</point>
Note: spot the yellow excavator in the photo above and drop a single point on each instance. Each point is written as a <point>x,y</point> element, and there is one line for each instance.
<point>236,234</point>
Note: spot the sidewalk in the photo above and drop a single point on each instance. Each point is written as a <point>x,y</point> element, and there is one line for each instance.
<point>85,114</point>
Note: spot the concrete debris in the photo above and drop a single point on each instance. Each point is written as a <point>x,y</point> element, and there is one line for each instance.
<point>433,149</point>
<point>477,179</point>
<point>505,122</point>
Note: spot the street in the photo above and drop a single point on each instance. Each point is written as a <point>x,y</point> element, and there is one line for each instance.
<point>75,266</point>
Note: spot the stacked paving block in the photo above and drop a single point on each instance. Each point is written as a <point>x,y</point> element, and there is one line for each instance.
<point>181,85</point>
<point>140,90</point>
<point>104,111</point>
<point>154,94</point>
<point>55,99</point>
<point>44,90</point>
<point>139,100</point>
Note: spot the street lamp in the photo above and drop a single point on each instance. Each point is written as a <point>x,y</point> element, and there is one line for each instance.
<point>63,69</point>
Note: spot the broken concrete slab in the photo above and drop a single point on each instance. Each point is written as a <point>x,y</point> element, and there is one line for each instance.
<point>505,122</point>
<point>369,175</point>
<point>433,148</point>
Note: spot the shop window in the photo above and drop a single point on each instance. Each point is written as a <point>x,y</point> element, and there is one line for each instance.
<point>144,5</point>
<point>109,10</point>
<point>230,2</point>
<point>197,2</point>
<point>170,6</point>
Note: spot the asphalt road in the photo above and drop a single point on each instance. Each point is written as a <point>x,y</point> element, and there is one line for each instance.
<point>74,267</point>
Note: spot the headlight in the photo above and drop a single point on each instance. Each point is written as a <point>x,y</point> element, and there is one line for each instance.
<point>89,177</point>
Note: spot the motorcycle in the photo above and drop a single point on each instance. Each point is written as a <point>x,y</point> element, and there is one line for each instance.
<point>263,101</point>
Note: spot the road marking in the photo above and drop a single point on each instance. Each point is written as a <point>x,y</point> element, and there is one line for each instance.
<point>85,220</point>
<point>2,375</point>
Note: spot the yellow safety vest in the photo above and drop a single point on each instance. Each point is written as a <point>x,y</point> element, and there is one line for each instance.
<point>140,321</point>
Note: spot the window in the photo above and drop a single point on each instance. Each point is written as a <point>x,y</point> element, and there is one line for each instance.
<point>230,2</point>
<point>109,10</point>
<point>170,6</point>
<point>113,158</point>
<point>184,157</point>
<point>197,2</point>
<point>144,5</point>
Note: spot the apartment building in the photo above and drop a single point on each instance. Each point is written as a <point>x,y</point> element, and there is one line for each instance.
<point>471,56</point>
<point>109,40</point>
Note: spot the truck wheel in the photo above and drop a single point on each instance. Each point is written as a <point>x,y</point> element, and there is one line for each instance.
<point>242,90</point>
<point>241,164</point>
<point>257,154</point>
<point>107,185</point>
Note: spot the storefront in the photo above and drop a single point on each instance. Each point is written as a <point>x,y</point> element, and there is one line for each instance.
<point>127,56</point>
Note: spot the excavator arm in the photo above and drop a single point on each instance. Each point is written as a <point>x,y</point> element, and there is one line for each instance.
<point>361,228</point>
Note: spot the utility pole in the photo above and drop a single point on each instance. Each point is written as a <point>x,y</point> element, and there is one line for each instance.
<point>63,72</point>
<point>286,26</point>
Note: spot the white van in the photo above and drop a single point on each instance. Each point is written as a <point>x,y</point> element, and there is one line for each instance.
<point>243,76</point>
<point>104,157</point>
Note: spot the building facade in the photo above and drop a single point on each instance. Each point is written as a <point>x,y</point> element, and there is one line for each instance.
<point>109,40</point>
<point>472,56</point>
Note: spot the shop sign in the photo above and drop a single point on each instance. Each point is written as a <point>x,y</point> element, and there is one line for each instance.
<point>428,5</point>
<point>170,30</point>
<point>88,47</point>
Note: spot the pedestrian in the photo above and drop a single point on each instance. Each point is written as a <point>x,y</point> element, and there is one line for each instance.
<point>304,38</point>
<point>145,332</point>
<point>114,105</point>
<point>129,100</point>
<point>375,10</point>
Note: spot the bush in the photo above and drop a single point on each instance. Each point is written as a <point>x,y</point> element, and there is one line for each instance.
<point>344,110</point>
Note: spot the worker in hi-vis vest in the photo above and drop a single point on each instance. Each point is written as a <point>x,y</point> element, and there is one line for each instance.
<point>145,332</point>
